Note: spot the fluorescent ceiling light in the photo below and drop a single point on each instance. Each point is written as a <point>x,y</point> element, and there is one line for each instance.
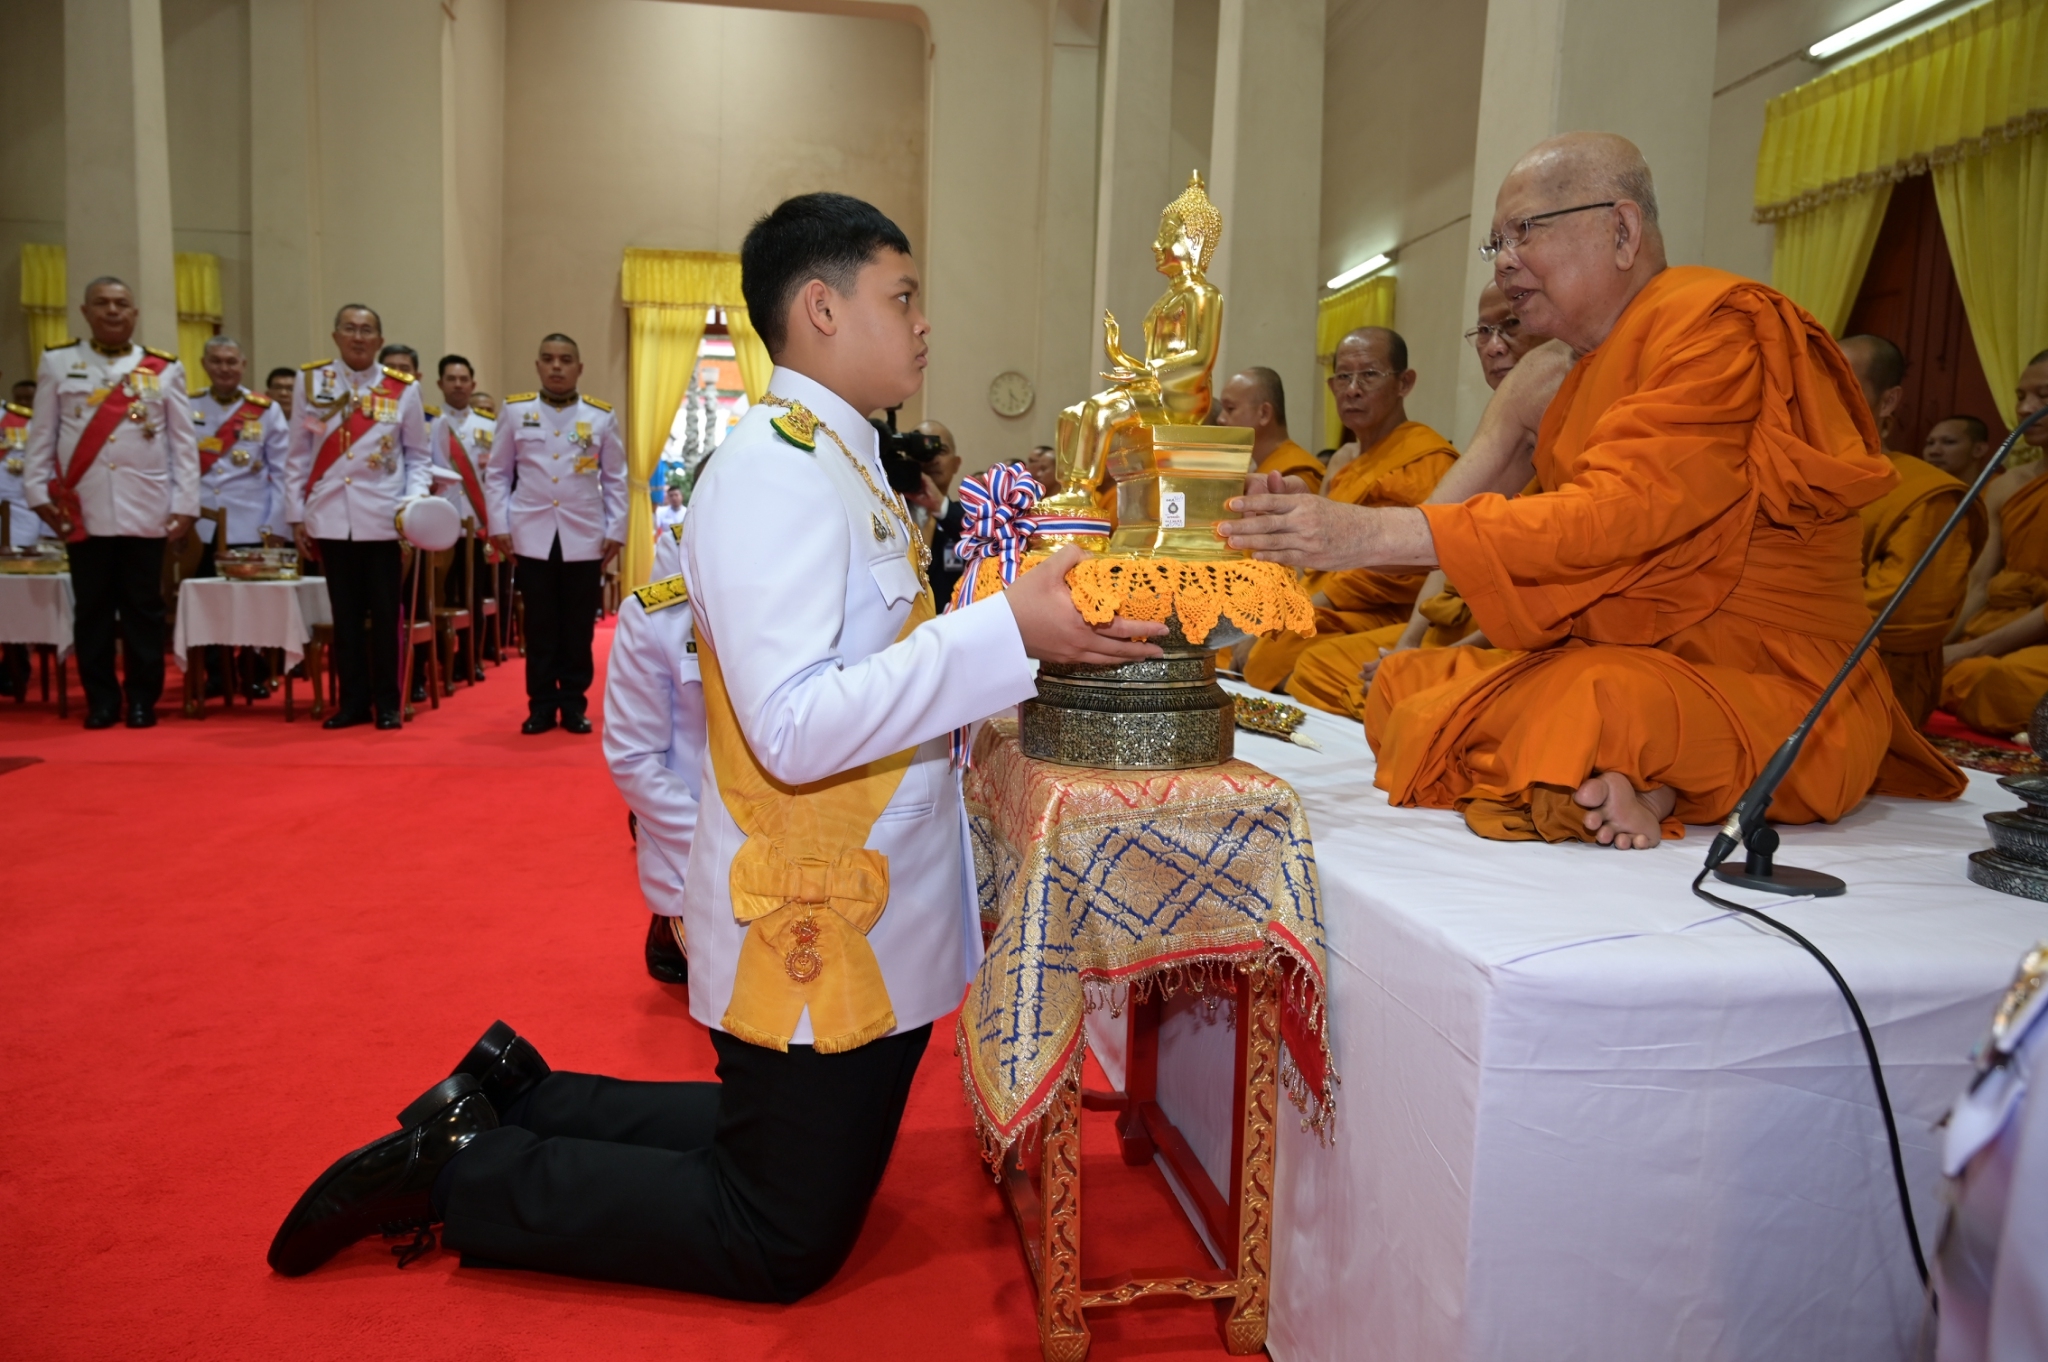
<point>1357,272</point>
<point>1891,16</point>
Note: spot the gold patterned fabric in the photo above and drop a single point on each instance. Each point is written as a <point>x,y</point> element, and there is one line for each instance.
<point>1091,878</point>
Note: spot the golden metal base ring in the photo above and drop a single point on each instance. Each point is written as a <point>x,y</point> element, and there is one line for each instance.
<point>1162,714</point>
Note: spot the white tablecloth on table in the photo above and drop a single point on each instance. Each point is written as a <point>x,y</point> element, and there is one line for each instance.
<point>1585,1115</point>
<point>36,608</point>
<point>215,610</point>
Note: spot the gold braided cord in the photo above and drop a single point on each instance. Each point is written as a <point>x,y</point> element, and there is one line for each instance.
<point>1258,597</point>
<point>893,502</point>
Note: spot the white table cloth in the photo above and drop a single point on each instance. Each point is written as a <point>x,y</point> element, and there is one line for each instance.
<point>36,608</point>
<point>215,610</point>
<point>1585,1115</point>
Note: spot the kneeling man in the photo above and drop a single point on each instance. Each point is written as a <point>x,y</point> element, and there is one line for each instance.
<point>1686,578</point>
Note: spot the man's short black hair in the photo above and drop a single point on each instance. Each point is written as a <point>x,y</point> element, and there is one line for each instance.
<point>569,341</point>
<point>1979,432</point>
<point>102,281</point>
<point>812,236</point>
<point>397,349</point>
<point>21,383</point>
<point>1887,361</point>
<point>281,371</point>
<point>441,369</point>
<point>347,308</point>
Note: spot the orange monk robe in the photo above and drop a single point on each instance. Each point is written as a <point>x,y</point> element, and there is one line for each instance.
<point>1674,599</point>
<point>1290,459</point>
<point>1329,673</point>
<point>1998,694</point>
<point>1897,528</point>
<point>1402,469</point>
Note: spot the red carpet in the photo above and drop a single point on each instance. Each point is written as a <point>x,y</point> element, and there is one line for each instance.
<point>233,949</point>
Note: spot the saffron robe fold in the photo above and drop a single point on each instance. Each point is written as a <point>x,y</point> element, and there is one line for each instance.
<point>1997,695</point>
<point>1401,469</point>
<point>1897,528</point>
<point>1329,673</point>
<point>1673,600</point>
<point>1291,460</point>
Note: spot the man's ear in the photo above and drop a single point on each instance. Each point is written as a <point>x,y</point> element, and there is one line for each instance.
<point>1628,234</point>
<point>815,304</point>
<point>1407,382</point>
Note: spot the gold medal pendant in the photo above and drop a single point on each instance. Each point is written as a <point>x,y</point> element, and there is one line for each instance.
<point>803,963</point>
<point>881,528</point>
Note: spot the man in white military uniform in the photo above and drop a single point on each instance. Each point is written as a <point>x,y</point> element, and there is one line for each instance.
<point>358,452</point>
<point>829,692</point>
<point>556,485</point>
<point>654,743</point>
<point>113,432</point>
<point>24,526</point>
<point>459,434</point>
<point>242,437</point>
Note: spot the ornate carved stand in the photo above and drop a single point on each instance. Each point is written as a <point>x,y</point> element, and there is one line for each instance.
<point>1048,1210</point>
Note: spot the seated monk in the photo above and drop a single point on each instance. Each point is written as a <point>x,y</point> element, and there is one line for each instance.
<point>1396,462</point>
<point>1685,581</point>
<point>1958,445</point>
<point>1997,665</point>
<point>1897,528</point>
<point>1255,398</point>
<point>1334,673</point>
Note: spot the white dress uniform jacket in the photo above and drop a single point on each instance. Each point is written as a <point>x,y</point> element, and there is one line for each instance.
<point>359,497</point>
<point>148,470</point>
<point>557,471</point>
<point>248,477</point>
<point>475,429</point>
<point>654,731</point>
<point>24,526</point>
<point>803,621</point>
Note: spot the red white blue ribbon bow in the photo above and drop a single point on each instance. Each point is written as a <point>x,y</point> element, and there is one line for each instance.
<point>994,524</point>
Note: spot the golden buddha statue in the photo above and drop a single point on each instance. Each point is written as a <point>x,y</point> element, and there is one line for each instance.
<point>1170,385</point>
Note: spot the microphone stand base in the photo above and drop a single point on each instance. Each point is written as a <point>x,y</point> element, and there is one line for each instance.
<point>1783,879</point>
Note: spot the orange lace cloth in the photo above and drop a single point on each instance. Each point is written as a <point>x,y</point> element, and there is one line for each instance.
<point>1259,598</point>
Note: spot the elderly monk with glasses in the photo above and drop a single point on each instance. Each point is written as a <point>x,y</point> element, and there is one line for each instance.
<point>1686,577</point>
<point>1393,462</point>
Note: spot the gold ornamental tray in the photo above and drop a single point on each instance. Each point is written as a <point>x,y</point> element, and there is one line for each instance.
<point>33,563</point>
<point>258,565</point>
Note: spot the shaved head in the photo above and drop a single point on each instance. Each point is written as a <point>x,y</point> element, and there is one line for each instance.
<point>1383,343</point>
<point>1589,166</point>
<point>1878,362</point>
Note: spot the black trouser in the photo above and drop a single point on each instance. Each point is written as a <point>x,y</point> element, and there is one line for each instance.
<point>362,582</point>
<point>753,1187</point>
<point>119,575</point>
<point>562,601</point>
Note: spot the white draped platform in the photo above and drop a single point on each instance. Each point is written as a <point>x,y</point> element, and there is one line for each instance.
<point>1586,1115</point>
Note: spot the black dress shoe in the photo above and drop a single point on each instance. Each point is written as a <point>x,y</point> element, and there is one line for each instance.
<point>419,692</point>
<point>347,718</point>
<point>505,1063</point>
<point>390,718</point>
<point>141,716</point>
<point>576,723</point>
<point>387,1185</point>
<point>102,718</point>
<point>537,723</point>
<point>665,958</point>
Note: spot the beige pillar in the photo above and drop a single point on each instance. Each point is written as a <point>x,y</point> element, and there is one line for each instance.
<point>288,317</point>
<point>473,186</point>
<point>1069,331</point>
<point>1556,66</point>
<point>1133,178</point>
<point>1267,154</point>
<point>117,167</point>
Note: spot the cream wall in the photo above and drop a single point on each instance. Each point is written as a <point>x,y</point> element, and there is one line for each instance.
<point>31,161</point>
<point>473,185</point>
<point>206,92</point>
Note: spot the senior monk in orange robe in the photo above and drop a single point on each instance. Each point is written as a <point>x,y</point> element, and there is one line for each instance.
<point>1397,462</point>
<point>1333,674</point>
<point>1997,665</point>
<point>1686,581</point>
<point>1897,528</point>
<point>1255,397</point>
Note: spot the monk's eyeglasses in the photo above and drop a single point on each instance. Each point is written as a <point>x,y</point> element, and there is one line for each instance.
<point>1483,334</point>
<point>1517,234</point>
<point>1346,379</point>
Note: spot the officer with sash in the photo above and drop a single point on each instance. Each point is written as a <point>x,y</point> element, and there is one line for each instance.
<point>459,434</point>
<point>23,526</point>
<point>556,493</point>
<point>654,743</point>
<point>358,452</point>
<point>829,900</point>
<point>113,466</point>
<point>242,438</point>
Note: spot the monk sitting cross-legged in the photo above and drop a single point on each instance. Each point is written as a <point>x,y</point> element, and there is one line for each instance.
<point>1397,462</point>
<point>1686,579</point>
<point>1256,398</point>
<point>1997,661</point>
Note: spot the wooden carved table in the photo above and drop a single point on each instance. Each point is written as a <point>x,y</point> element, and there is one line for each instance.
<point>1201,880</point>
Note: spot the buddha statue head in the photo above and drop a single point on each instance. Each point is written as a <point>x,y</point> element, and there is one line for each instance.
<point>1189,231</point>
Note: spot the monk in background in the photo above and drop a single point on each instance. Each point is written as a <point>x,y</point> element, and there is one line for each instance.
<point>1897,528</point>
<point>1397,462</point>
<point>1333,674</point>
<point>1685,581</point>
<point>1997,666</point>
<point>1255,397</point>
<point>1959,446</point>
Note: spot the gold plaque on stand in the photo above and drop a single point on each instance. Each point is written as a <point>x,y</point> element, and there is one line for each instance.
<point>1173,484</point>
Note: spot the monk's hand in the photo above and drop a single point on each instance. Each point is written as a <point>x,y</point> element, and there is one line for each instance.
<point>1372,666</point>
<point>1276,484</point>
<point>1053,630</point>
<point>1956,652</point>
<point>1308,531</point>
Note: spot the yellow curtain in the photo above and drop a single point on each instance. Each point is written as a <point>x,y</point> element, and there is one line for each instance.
<point>751,351</point>
<point>1992,209</point>
<point>667,294</point>
<point>1369,302</point>
<point>199,311</point>
<point>1820,255</point>
<point>43,298</point>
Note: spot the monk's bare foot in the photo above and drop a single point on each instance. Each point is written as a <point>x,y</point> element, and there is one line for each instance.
<point>1621,816</point>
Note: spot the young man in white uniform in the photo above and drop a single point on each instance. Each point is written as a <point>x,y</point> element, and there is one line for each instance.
<point>242,437</point>
<point>818,679</point>
<point>459,438</point>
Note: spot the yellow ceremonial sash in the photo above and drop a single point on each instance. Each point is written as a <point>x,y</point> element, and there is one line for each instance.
<point>806,885</point>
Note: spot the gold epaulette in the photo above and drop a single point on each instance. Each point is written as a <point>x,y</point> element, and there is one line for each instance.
<point>481,410</point>
<point>798,426</point>
<point>662,594</point>
<point>311,365</point>
<point>597,402</point>
<point>160,354</point>
<point>430,409</point>
<point>401,375</point>
<point>61,345</point>
<point>20,410</point>
<point>258,398</point>
<point>522,397</point>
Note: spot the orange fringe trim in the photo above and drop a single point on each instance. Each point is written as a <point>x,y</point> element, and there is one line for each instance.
<point>1259,598</point>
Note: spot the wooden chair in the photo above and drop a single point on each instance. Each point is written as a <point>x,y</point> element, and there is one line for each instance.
<point>182,560</point>
<point>459,616</point>
<point>416,630</point>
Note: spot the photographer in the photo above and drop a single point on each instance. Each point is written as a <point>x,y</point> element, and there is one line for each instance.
<point>930,452</point>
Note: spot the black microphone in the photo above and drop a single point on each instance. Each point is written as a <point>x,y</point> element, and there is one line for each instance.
<point>1746,822</point>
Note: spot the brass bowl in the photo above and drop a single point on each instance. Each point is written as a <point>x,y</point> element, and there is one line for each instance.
<point>33,561</point>
<point>258,565</point>
<point>1160,714</point>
